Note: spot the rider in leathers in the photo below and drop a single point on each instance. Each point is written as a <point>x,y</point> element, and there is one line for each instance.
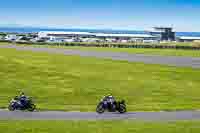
<point>23,99</point>
<point>109,99</point>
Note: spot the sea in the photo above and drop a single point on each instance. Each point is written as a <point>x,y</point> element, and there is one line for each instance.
<point>35,30</point>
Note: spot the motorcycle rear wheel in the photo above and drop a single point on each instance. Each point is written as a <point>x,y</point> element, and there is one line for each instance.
<point>31,108</point>
<point>122,108</point>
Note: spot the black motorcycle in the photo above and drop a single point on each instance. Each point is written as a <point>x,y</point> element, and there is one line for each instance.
<point>15,104</point>
<point>119,106</point>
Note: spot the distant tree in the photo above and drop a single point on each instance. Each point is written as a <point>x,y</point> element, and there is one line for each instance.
<point>3,34</point>
<point>25,38</point>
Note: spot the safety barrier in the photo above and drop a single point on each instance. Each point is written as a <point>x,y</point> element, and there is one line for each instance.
<point>151,46</point>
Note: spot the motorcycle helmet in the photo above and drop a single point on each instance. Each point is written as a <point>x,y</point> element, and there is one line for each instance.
<point>21,93</point>
<point>16,98</point>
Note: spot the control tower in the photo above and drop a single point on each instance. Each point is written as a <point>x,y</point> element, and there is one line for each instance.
<point>165,33</point>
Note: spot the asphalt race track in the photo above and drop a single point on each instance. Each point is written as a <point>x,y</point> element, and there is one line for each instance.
<point>149,59</point>
<point>55,115</point>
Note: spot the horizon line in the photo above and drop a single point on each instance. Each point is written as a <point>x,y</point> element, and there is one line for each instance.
<point>82,28</point>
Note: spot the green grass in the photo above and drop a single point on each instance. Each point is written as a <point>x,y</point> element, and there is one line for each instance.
<point>148,51</point>
<point>98,127</point>
<point>61,82</point>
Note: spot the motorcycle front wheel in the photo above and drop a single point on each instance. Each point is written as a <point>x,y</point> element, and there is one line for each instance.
<point>11,108</point>
<point>100,109</point>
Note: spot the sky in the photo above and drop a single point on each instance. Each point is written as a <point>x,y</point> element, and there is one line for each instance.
<point>183,15</point>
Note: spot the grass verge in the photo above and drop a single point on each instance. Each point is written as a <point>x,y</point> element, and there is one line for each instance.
<point>98,127</point>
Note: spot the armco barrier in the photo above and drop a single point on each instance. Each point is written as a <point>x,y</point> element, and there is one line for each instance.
<point>152,46</point>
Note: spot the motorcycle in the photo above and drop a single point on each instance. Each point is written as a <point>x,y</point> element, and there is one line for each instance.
<point>15,104</point>
<point>119,106</point>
